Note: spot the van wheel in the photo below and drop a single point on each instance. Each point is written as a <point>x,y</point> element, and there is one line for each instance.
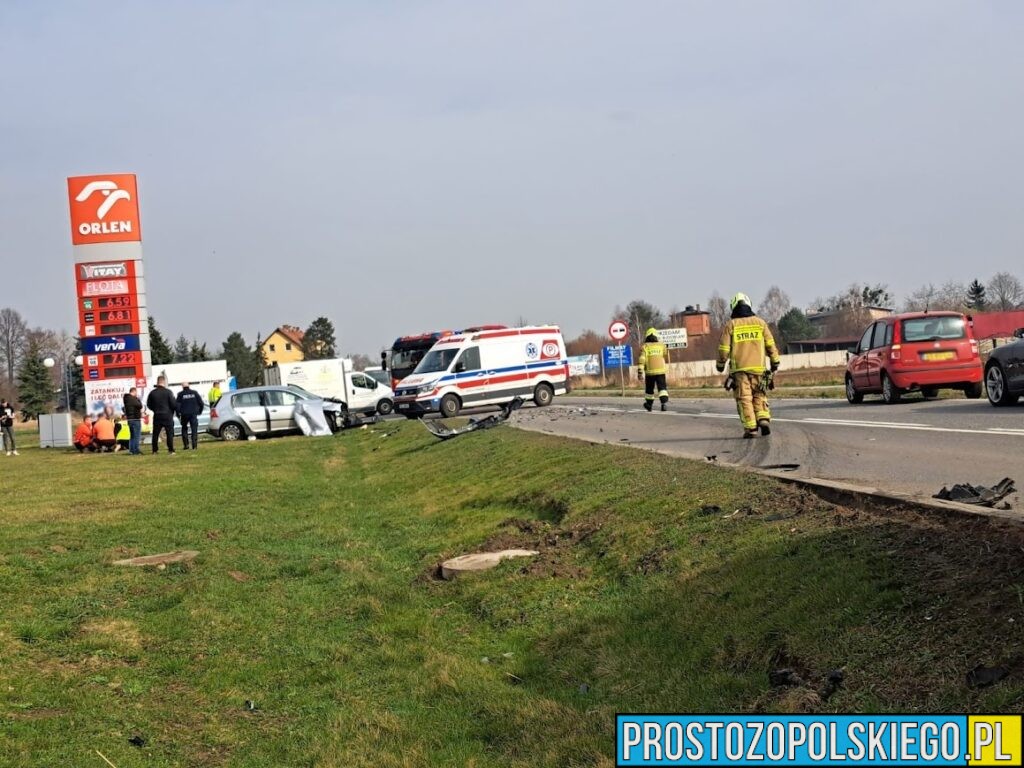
<point>973,391</point>
<point>930,392</point>
<point>543,395</point>
<point>385,407</point>
<point>450,406</point>
<point>852,395</point>
<point>890,392</point>
<point>231,432</point>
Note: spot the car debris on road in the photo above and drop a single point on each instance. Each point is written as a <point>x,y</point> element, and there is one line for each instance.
<point>444,432</point>
<point>984,496</point>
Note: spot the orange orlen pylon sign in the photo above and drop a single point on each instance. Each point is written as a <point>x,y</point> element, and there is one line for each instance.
<point>104,209</point>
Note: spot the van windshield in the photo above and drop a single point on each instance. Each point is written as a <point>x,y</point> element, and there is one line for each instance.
<point>436,361</point>
<point>934,329</point>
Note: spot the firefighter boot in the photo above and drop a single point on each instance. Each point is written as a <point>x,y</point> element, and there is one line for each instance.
<point>765,427</point>
<point>648,405</point>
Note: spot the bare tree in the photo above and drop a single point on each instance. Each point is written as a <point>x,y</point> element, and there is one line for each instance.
<point>718,311</point>
<point>1004,292</point>
<point>774,305</point>
<point>13,338</point>
<point>951,296</point>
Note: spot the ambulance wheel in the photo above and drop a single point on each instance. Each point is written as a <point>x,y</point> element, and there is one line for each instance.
<point>450,406</point>
<point>543,395</point>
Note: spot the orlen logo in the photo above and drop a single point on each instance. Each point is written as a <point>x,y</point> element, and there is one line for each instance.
<point>96,271</point>
<point>104,209</point>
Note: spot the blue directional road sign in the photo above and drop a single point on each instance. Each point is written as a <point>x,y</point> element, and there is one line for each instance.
<point>618,357</point>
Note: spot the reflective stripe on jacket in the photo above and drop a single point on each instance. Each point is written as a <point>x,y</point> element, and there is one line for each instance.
<point>744,344</point>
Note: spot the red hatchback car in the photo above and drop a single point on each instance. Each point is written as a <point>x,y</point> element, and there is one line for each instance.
<point>925,351</point>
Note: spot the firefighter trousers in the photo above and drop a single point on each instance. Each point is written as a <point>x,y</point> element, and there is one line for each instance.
<point>751,399</point>
<point>655,382</point>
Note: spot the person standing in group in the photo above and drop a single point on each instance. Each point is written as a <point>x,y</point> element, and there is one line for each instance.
<point>7,426</point>
<point>190,405</point>
<point>163,405</point>
<point>745,342</point>
<point>133,415</point>
<point>654,369</point>
<point>214,394</point>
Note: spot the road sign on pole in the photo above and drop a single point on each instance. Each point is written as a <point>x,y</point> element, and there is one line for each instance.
<point>618,330</point>
<point>619,357</point>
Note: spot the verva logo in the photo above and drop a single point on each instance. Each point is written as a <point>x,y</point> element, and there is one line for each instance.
<point>104,209</point>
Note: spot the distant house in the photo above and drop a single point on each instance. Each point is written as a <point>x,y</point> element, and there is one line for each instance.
<point>284,345</point>
<point>837,330</point>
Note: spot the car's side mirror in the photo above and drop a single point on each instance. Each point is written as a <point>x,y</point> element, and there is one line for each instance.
<point>460,367</point>
<point>1019,333</point>
<point>849,355</point>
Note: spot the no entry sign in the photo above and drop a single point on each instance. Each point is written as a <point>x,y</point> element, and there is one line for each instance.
<point>618,330</point>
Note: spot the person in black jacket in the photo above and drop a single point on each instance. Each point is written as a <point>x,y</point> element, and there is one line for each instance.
<point>163,405</point>
<point>190,405</point>
<point>133,415</point>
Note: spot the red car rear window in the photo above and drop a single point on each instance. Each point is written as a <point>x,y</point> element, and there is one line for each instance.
<point>934,329</point>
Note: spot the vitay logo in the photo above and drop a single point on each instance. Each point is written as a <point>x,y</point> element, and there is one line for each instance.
<point>104,209</point>
<point>93,271</point>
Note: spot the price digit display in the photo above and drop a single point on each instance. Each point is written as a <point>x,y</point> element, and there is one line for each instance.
<point>114,315</point>
<point>110,302</point>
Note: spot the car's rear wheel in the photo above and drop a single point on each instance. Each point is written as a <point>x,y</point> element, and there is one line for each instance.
<point>998,391</point>
<point>450,406</point>
<point>543,395</point>
<point>852,395</point>
<point>890,392</point>
<point>232,431</point>
<point>973,391</point>
<point>385,407</point>
<point>930,392</point>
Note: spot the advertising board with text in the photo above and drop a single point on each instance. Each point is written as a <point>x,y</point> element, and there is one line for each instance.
<point>673,338</point>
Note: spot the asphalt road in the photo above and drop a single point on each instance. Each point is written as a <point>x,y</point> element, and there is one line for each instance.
<point>914,447</point>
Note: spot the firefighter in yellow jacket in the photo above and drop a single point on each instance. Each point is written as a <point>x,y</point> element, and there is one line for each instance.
<point>653,369</point>
<point>746,341</point>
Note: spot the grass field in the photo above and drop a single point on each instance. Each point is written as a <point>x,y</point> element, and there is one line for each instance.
<point>312,630</point>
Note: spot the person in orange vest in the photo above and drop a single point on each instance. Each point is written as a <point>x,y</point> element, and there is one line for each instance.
<point>105,439</point>
<point>83,439</point>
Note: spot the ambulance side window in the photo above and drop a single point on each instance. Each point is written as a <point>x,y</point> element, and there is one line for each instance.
<point>470,360</point>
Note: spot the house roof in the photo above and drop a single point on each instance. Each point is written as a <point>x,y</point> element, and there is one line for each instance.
<point>290,332</point>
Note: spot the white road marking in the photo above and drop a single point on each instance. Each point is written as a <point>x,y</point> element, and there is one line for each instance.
<point>1000,431</point>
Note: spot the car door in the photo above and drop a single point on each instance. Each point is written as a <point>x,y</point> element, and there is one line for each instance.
<point>1015,366</point>
<point>249,407</point>
<point>875,358</point>
<point>858,366</point>
<point>362,393</point>
<point>471,378</point>
<point>281,409</point>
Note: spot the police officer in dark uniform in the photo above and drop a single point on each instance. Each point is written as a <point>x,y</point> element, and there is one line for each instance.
<point>190,405</point>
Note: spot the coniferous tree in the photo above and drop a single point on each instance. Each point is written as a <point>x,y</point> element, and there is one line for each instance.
<point>244,362</point>
<point>35,383</point>
<point>197,352</point>
<point>182,350</point>
<point>319,343</point>
<point>160,350</point>
<point>976,295</point>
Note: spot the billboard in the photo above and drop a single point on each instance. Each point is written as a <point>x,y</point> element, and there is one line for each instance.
<point>585,365</point>
<point>99,394</point>
<point>104,209</point>
<point>673,338</point>
<point>617,357</point>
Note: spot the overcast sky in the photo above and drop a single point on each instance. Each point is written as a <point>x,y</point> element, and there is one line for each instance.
<point>408,166</point>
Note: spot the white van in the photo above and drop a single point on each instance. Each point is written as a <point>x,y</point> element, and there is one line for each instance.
<point>335,379</point>
<point>489,367</point>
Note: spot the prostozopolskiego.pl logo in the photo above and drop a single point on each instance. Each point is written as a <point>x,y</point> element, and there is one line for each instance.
<point>103,209</point>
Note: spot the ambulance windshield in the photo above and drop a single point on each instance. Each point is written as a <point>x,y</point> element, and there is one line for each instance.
<point>436,361</point>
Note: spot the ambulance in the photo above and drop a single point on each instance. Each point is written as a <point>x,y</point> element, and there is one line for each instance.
<point>487,367</point>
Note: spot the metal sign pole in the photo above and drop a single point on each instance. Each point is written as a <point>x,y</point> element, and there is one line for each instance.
<point>622,375</point>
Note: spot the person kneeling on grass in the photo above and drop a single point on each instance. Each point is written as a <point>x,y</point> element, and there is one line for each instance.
<point>122,434</point>
<point>104,431</point>
<point>84,435</point>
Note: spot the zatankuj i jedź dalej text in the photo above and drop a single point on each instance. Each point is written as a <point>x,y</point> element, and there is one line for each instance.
<point>110,287</point>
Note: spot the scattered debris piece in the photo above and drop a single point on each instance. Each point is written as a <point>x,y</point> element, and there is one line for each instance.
<point>982,676</point>
<point>137,741</point>
<point>251,706</point>
<point>782,467</point>
<point>239,576</point>
<point>480,561</point>
<point>179,556</point>
<point>784,677</point>
<point>711,509</point>
<point>105,759</point>
<point>984,496</point>
<point>712,457</point>
<point>444,432</point>
<point>833,682</point>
